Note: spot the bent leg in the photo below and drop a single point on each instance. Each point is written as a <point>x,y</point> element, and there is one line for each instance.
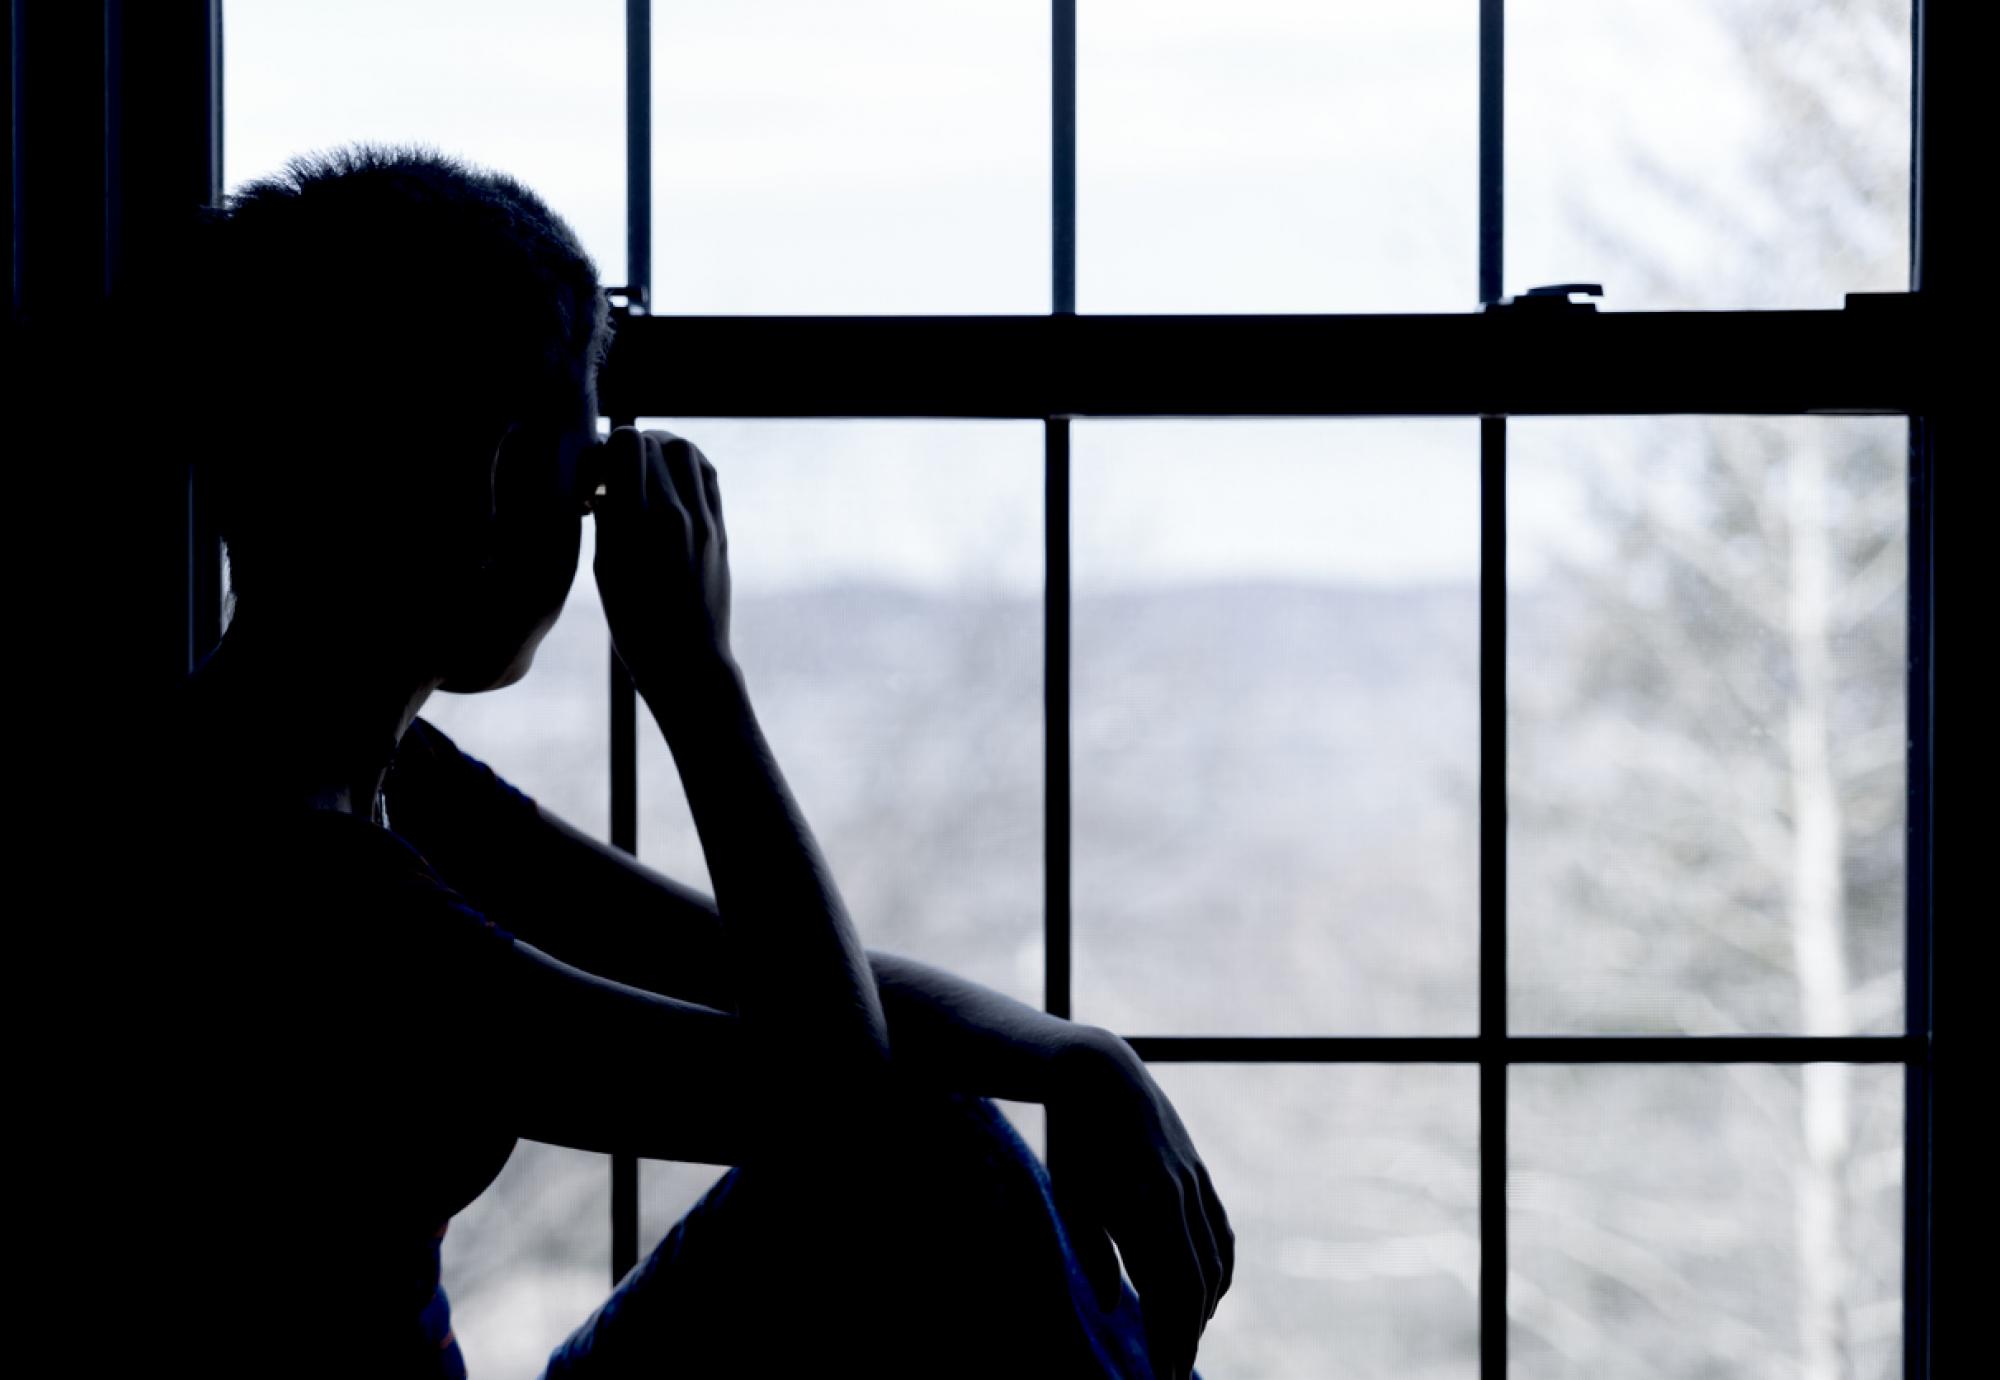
<point>936,1252</point>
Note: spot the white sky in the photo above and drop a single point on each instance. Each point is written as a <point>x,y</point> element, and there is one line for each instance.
<point>892,156</point>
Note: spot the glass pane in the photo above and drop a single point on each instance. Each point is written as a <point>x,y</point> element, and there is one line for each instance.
<point>1268,156</point>
<point>1275,706</point>
<point>529,1259</point>
<point>667,1189</point>
<point>880,157</point>
<point>531,89</point>
<point>1723,154</point>
<point>886,589</point>
<point>1706,695</point>
<point>1679,1222</point>
<point>1031,1121</point>
<point>1353,1191</point>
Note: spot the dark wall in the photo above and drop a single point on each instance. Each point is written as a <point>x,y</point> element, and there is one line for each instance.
<point>116,124</point>
<point>114,140</point>
<point>1953,167</point>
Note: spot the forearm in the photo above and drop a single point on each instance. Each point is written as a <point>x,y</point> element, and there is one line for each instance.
<point>802,977</point>
<point>950,1033</point>
<point>640,927</point>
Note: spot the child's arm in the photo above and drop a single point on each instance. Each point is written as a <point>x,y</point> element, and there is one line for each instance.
<point>803,982</point>
<point>1136,1174</point>
<point>597,907</point>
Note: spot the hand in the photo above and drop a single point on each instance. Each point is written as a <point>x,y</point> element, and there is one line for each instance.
<point>662,561</point>
<point>1128,1168</point>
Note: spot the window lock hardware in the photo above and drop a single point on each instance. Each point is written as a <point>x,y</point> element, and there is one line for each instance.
<point>630,300</point>
<point>1555,297</point>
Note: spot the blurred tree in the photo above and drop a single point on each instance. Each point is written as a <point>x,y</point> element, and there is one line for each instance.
<point>1709,805</point>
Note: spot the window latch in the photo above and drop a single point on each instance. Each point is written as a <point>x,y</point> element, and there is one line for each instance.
<point>630,300</point>
<point>1555,297</point>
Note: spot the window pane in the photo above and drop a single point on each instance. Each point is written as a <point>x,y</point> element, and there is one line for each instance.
<point>667,1189</point>
<point>887,612</point>
<point>1353,1191</point>
<point>881,157</point>
<point>529,1259</point>
<point>1690,1221</point>
<point>1275,726</point>
<point>1725,154</point>
<point>1706,725</point>
<point>522,86</point>
<point>1267,156</point>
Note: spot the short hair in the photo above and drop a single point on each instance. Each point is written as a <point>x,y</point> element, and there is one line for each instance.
<point>378,317</point>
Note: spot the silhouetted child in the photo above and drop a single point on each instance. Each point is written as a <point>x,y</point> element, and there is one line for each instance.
<point>387,964</point>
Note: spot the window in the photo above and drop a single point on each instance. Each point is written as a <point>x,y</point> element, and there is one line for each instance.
<point>1477,751</point>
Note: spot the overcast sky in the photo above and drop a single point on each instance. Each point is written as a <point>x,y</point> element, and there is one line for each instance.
<point>893,156</point>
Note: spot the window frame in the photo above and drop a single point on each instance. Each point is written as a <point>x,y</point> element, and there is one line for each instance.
<point>1875,356</point>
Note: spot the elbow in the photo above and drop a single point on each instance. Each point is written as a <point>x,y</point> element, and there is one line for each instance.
<point>843,1078</point>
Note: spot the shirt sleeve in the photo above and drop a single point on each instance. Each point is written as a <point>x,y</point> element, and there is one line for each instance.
<point>457,812</point>
<point>352,922</point>
<point>503,855</point>
<point>333,1020</point>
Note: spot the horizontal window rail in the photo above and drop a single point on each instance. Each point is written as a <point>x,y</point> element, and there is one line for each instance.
<point>1532,1049</point>
<point>1875,356</point>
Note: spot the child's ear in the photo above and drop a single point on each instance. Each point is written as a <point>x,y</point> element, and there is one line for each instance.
<point>505,458</point>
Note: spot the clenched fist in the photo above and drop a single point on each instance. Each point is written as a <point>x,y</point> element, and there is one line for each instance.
<point>662,562</point>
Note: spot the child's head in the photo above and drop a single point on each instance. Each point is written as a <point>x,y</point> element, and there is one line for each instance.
<point>381,320</point>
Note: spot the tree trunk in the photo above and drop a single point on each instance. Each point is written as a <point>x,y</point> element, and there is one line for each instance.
<point>1818,922</point>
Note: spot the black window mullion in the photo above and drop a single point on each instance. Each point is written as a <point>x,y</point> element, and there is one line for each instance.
<point>1056,945</point>
<point>639,149</point>
<point>1880,354</point>
<point>624,698</point>
<point>1492,133</point>
<point>1062,163</point>
<point>1703,1050</point>
<point>1493,1044</point>
<point>1057,949</point>
<point>1917,976</point>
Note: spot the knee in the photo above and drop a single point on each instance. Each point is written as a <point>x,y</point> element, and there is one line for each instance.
<point>934,1161</point>
<point>945,1129</point>
<point>957,1157</point>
